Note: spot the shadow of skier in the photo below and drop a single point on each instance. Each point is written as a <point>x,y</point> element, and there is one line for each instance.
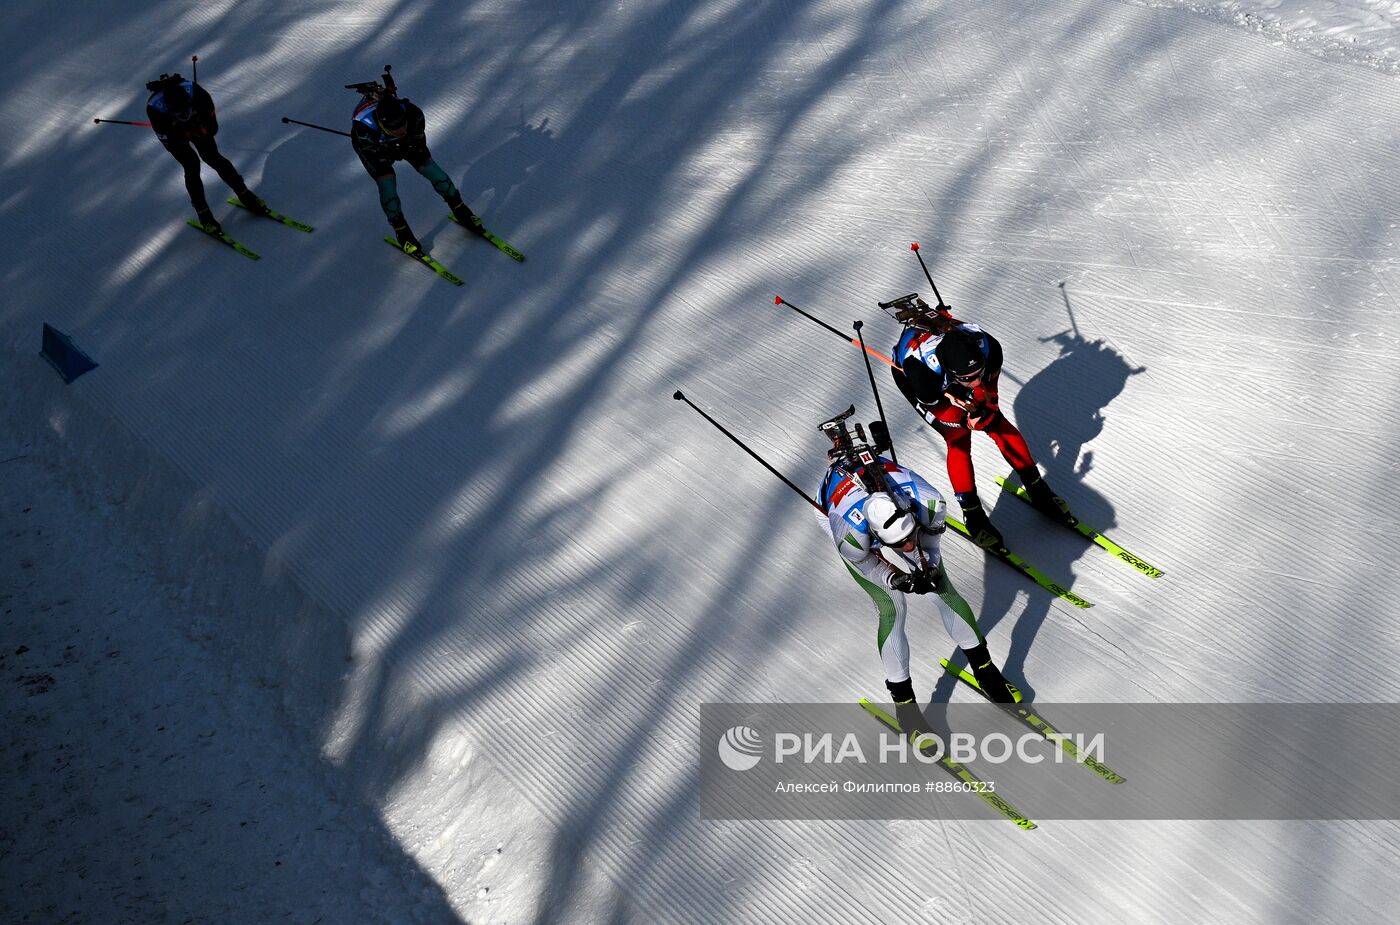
<point>502,169</point>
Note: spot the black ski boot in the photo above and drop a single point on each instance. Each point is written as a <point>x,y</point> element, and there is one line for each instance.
<point>207,221</point>
<point>1044,499</point>
<point>251,202</point>
<point>465,216</point>
<point>406,239</point>
<point>979,525</point>
<point>901,691</point>
<point>989,676</point>
<point>911,719</point>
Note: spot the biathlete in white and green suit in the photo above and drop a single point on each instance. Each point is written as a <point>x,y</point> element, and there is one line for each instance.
<point>887,522</point>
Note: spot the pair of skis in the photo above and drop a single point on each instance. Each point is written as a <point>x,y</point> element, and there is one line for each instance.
<point>958,770</point>
<point>423,257</point>
<point>1071,522</point>
<point>1029,718</point>
<point>1021,565</point>
<point>1018,711</point>
<point>225,238</point>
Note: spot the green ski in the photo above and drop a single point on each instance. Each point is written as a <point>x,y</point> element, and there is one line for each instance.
<point>1022,566</point>
<point>1034,721</point>
<point>426,259</point>
<point>275,216</point>
<point>223,236</point>
<point>959,771</point>
<point>1151,571</point>
<point>502,243</point>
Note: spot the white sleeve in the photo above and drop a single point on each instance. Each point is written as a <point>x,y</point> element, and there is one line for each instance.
<point>874,568</point>
<point>932,545</point>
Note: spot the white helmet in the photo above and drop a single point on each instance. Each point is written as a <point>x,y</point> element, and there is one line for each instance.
<point>891,523</point>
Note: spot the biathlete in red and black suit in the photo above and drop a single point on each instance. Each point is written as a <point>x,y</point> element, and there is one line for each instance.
<point>948,370</point>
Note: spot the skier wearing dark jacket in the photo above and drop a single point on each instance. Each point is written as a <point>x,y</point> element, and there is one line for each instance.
<point>948,370</point>
<point>385,129</point>
<point>181,113</point>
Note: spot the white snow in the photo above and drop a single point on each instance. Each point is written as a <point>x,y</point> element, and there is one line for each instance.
<point>1363,31</point>
<point>423,583</point>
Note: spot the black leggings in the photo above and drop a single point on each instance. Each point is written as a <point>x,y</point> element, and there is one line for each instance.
<point>189,154</point>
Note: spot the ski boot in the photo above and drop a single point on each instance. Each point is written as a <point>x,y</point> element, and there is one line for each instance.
<point>901,691</point>
<point>911,719</point>
<point>979,525</point>
<point>407,241</point>
<point>251,202</point>
<point>989,676</point>
<point>1044,499</point>
<point>207,221</point>
<point>465,216</point>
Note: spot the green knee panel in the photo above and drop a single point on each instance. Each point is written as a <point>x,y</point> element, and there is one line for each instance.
<point>953,599</point>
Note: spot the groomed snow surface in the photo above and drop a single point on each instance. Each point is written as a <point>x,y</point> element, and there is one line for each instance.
<point>1361,31</point>
<point>340,594</point>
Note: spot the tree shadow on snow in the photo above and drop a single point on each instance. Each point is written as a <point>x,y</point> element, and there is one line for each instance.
<point>412,438</point>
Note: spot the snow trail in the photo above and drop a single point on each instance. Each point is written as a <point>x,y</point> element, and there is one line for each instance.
<point>538,556</point>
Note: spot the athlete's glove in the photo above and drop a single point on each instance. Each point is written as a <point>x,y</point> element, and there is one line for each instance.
<point>981,418</point>
<point>913,583</point>
<point>961,396</point>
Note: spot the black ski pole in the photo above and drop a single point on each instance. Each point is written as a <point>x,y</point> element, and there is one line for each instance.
<point>680,396</point>
<point>194,69</point>
<point>871,373</point>
<point>122,122</point>
<point>333,131</point>
<point>915,248</point>
<point>779,300</point>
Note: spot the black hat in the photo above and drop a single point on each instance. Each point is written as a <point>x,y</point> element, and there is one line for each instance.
<point>391,114</point>
<point>960,354</point>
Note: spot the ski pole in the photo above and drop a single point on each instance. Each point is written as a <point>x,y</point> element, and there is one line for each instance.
<point>122,122</point>
<point>194,69</point>
<point>779,300</point>
<point>333,131</point>
<point>915,248</point>
<point>680,396</point>
<point>869,371</point>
